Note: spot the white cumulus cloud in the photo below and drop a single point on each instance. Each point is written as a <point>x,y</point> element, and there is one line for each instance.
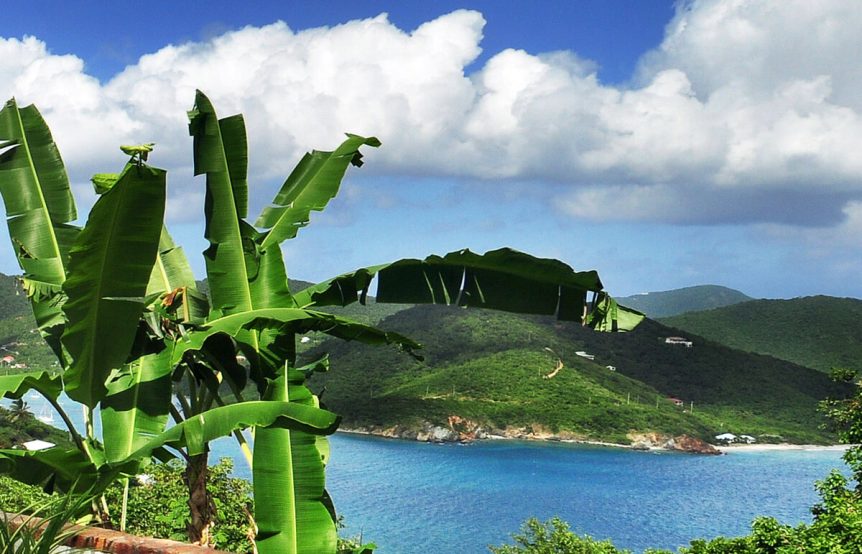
<point>747,111</point>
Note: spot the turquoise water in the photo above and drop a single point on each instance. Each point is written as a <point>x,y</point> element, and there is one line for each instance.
<point>411,497</point>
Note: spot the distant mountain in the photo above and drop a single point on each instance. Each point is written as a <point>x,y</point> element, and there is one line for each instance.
<point>494,368</point>
<point>678,301</point>
<point>816,331</point>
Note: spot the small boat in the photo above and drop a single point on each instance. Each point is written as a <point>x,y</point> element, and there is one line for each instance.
<point>46,415</point>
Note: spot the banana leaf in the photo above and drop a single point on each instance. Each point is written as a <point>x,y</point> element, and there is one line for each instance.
<point>226,192</point>
<point>290,321</point>
<point>172,275</point>
<point>289,481</point>
<point>310,186</point>
<point>47,384</point>
<point>109,269</point>
<point>136,406</point>
<point>503,279</point>
<point>60,470</point>
<point>194,433</point>
<point>39,207</point>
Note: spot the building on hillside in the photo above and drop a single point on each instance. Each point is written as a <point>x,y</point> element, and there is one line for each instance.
<point>676,401</point>
<point>679,340</point>
<point>7,360</point>
<point>611,367</point>
<point>583,354</point>
<point>37,445</point>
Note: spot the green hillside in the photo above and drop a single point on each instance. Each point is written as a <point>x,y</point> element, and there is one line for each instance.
<point>12,300</point>
<point>817,331</point>
<point>490,367</point>
<point>678,301</point>
<point>18,337</point>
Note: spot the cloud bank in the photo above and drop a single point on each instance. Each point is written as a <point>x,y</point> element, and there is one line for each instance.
<point>747,112</point>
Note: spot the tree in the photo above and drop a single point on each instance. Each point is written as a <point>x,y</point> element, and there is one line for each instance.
<point>165,350</point>
<point>19,411</point>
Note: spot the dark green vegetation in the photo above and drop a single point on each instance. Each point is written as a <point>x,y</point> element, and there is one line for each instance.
<point>18,425</point>
<point>491,368</point>
<point>160,508</point>
<point>836,529</point>
<point>821,332</point>
<point>688,299</point>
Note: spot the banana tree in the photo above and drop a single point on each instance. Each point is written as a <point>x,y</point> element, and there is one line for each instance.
<point>170,340</point>
<point>118,294</point>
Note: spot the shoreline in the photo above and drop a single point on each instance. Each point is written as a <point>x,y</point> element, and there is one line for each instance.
<point>782,446</point>
<point>493,437</point>
<point>723,449</point>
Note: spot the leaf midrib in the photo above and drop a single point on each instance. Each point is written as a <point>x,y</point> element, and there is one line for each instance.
<point>35,176</point>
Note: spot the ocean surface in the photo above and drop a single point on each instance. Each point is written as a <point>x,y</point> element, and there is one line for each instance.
<point>410,497</point>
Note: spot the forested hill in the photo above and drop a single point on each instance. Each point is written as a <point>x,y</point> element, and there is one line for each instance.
<point>494,368</point>
<point>12,300</point>
<point>816,331</point>
<point>18,337</point>
<point>678,301</point>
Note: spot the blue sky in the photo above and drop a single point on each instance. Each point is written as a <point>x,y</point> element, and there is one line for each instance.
<point>664,145</point>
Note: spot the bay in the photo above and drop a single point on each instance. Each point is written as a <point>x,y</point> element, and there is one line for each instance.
<point>410,497</point>
<point>414,497</point>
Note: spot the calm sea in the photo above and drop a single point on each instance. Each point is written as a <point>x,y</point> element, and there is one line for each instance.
<point>410,497</point>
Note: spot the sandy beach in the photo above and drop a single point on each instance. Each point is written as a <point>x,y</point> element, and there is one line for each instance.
<point>783,446</point>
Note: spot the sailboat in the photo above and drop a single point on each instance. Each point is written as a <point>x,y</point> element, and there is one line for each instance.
<point>46,414</point>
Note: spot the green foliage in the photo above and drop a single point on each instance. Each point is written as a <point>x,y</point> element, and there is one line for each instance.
<point>41,528</point>
<point>554,537</point>
<point>160,509</point>
<point>16,496</point>
<point>820,332</point>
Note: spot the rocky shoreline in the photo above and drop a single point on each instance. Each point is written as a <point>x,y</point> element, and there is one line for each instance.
<point>462,430</point>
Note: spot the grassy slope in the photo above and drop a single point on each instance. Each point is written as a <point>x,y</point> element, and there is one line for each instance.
<point>489,366</point>
<point>673,302</point>
<point>817,331</point>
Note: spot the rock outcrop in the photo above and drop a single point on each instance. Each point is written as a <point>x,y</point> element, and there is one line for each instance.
<point>463,430</point>
<point>681,443</point>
